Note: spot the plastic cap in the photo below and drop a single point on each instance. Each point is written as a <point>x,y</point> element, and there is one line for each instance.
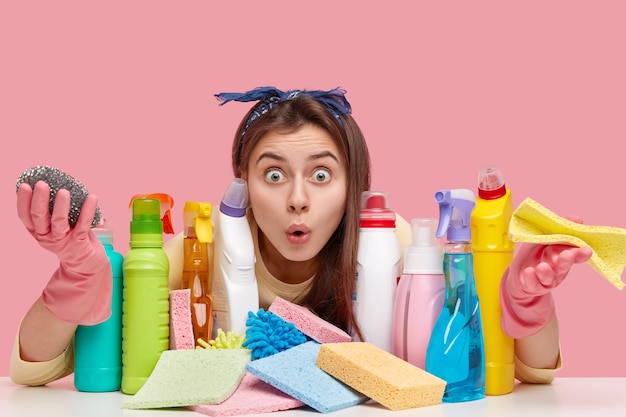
<point>375,211</point>
<point>490,183</point>
<point>103,232</point>
<point>425,254</point>
<point>146,217</point>
<point>235,199</point>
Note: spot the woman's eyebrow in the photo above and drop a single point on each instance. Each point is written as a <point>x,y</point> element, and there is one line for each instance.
<point>270,155</point>
<point>280,158</point>
<point>323,154</point>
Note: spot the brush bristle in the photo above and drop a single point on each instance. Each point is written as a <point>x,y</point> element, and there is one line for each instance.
<point>56,180</point>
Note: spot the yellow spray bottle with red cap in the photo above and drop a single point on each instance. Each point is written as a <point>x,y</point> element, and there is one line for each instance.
<point>197,261</point>
<point>493,252</point>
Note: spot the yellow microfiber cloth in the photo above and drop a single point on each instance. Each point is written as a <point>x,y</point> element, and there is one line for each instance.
<point>191,377</point>
<point>533,223</point>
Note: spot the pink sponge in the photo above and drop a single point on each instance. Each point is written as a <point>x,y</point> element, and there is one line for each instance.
<point>253,396</point>
<point>308,322</point>
<point>181,330</point>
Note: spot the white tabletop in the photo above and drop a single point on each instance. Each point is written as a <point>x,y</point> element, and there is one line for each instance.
<point>565,396</point>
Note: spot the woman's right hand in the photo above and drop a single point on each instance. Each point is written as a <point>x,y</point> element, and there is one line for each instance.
<point>80,289</point>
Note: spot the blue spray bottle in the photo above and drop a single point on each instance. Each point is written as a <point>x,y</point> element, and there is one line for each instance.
<point>456,350</point>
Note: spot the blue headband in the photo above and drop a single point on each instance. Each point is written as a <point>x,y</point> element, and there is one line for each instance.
<point>334,100</point>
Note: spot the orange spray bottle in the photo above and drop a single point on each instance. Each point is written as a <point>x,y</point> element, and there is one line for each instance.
<point>493,252</point>
<point>198,245</point>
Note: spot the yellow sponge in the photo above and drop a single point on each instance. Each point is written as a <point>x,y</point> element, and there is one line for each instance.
<point>533,223</point>
<point>383,377</point>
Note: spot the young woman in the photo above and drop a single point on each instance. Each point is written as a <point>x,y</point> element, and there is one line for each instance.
<point>306,163</point>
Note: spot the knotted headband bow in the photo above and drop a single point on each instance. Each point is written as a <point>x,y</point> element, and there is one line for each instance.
<point>334,100</point>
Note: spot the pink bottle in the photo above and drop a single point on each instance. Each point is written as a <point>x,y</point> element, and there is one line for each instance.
<point>420,293</point>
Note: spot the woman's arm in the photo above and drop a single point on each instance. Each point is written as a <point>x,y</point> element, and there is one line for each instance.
<point>528,311</point>
<point>42,336</point>
<point>540,350</point>
<point>79,291</point>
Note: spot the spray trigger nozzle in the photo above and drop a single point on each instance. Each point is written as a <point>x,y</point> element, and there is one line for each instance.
<point>455,210</point>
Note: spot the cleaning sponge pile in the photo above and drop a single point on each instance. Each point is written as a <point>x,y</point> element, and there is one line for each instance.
<point>318,366</point>
<point>330,372</point>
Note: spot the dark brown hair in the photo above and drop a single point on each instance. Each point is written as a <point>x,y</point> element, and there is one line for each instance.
<point>331,293</point>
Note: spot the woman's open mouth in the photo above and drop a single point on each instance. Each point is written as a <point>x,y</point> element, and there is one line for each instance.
<point>298,235</point>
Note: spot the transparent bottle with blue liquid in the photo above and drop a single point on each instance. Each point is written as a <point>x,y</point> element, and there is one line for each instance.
<point>456,350</point>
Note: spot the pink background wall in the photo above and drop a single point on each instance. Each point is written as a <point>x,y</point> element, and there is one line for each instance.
<point>121,97</point>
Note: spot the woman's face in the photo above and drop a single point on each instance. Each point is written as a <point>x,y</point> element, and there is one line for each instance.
<point>298,184</point>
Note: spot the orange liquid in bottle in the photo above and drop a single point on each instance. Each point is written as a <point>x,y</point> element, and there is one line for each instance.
<point>197,278</point>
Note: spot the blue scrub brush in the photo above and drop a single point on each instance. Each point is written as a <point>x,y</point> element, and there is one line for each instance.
<point>268,334</point>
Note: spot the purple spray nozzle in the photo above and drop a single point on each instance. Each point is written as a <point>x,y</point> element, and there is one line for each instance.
<point>455,210</point>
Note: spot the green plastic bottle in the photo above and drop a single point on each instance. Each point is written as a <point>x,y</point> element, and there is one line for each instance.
<point>145,305</point>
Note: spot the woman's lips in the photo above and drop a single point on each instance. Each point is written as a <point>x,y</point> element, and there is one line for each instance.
<point>298,234</point>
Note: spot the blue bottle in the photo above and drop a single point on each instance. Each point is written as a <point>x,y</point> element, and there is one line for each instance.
<point>456,351</point>
<point>98,349</point>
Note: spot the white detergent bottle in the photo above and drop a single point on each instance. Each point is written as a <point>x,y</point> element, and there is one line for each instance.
<point>378,269</point>
<point>420,293</point>
<point>234,288</point>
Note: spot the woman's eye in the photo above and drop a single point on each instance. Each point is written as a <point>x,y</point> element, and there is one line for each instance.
<point>274,175</point>
<point>321,175</point>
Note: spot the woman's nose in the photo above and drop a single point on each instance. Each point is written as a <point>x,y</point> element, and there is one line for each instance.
<point>298,199</point>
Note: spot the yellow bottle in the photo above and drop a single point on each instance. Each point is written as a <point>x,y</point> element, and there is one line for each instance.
<point>493,252</point>
<point>198,245</point>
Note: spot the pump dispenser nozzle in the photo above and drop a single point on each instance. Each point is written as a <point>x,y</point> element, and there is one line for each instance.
<point>424,255</point>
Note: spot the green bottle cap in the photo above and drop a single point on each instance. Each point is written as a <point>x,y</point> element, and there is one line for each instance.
<point>146,217</point>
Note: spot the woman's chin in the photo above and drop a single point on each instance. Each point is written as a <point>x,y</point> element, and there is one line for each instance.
<point>299,253</point>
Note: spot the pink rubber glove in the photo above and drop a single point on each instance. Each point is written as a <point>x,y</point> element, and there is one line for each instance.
<point>79,291</point>
<point>525,290</point>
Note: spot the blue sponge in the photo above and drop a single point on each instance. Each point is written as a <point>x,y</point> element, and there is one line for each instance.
<point>294,372</point>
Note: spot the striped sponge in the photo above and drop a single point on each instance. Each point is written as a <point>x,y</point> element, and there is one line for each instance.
<point>308,322</point>
<point>181,330</point>
<point>385,378</point>
<point>293,371</point>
